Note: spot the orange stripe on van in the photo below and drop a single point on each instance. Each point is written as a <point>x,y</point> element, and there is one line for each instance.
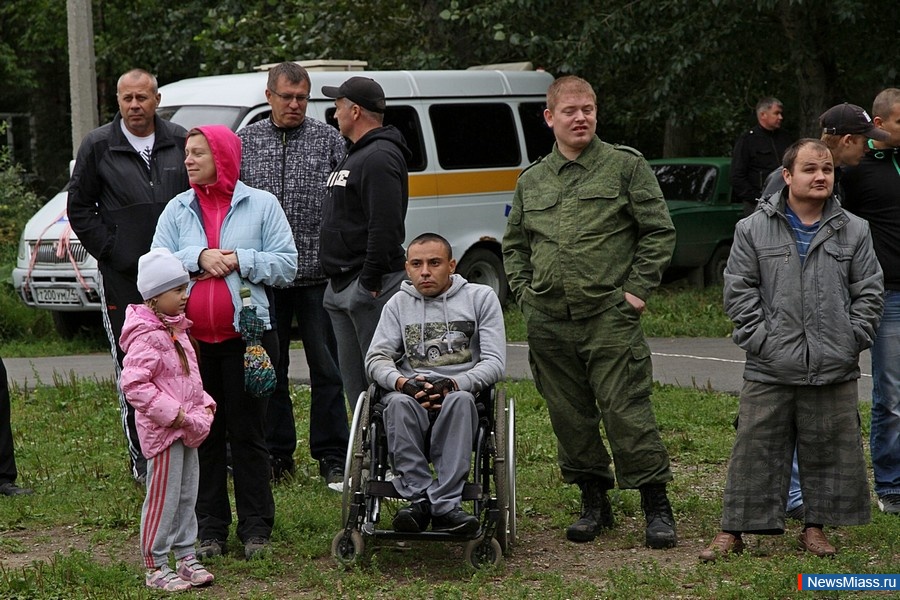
<point>472,182</point>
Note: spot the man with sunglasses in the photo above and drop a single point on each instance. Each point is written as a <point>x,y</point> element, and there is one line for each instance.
<point>291,156</point>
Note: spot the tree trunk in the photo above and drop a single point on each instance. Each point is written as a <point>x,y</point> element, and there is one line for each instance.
<point>678,139</point>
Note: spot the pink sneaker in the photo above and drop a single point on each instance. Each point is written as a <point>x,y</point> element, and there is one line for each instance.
<point>165,579</point>
<point>190,570</point>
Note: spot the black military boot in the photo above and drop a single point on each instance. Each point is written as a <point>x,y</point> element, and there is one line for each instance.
<point>660,531</point>
<point>596,513</point>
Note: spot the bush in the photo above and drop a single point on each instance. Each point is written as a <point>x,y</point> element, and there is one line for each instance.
<point>17,204</point>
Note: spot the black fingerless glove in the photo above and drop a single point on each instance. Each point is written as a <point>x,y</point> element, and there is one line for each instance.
<point>412,387</point>
<point>441,385</point>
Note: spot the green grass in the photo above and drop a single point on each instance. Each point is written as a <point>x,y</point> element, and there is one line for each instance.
<point>77,536</point>
<point>674,310</point>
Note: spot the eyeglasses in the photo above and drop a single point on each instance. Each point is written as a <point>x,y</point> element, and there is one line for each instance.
<point>298,98</point>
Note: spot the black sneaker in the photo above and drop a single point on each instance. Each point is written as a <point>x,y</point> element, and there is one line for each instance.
<point>413,518</point>
<point>889,504</point>
<point>210,548</point>
<point>282,467</point>
<point>332,470</point>
<point>11,489</point>
<point>455,521</point>
<point>255,547</point>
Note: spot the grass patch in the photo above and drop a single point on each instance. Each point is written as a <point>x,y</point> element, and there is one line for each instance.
<point>77,536</point>
<point>674,310</point>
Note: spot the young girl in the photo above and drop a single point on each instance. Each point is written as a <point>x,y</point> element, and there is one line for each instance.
<point>161,379</point>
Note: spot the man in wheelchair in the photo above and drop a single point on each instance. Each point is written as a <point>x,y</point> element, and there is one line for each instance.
<point>440,340</point>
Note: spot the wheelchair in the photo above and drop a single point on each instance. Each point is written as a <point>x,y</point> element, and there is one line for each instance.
<point>370,500</point>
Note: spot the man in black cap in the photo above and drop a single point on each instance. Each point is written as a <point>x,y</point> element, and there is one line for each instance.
<point>846,128</point>
<point>361,242</point>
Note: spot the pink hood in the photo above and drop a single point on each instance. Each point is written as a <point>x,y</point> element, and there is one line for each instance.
<point>226,151</point>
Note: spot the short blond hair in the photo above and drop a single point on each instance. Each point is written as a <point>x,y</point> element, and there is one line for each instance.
<point>569,84</point>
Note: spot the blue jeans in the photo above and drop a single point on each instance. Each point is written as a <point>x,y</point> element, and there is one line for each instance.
<point>328,430</point>
<point>884,438</point>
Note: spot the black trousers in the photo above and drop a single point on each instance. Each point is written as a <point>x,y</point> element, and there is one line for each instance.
<point>328,429</point>
<point>240,422</point>
<point>118,290</point>
<point>8,471</point>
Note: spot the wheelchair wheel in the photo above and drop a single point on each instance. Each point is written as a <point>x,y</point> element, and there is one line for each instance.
<point>505,469</point>
<point>348,549</point>
<point>483,553</point>
<point>356,454</point>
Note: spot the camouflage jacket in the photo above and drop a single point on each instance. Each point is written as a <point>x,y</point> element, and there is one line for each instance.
<point>583,232</point>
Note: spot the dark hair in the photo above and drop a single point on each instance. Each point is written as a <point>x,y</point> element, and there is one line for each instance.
<point>431,237</point>
<point>291,71</point>
<point>790,155</point>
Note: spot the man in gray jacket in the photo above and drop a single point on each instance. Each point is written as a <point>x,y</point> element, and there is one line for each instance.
<point>291,155</point>
<point>804,290</point>
<point>440,340</point>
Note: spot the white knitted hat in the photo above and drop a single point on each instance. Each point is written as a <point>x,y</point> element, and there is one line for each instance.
<point>159,271</point>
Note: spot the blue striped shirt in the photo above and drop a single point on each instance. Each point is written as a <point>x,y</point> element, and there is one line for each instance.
<point>802,233</point>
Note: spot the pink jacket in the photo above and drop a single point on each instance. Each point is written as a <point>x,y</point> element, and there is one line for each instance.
<point>154,382</point>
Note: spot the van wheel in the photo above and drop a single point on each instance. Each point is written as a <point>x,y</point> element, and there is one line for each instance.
<point>481,265</point>
<point>70,324</point>
<point>714,271</point>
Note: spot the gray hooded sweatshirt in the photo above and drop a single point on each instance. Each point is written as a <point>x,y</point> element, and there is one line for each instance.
<point>459,334</point>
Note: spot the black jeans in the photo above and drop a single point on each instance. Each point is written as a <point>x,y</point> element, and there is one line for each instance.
<point>328,429</point>
<point>239,421</point>
<point>8,471</point>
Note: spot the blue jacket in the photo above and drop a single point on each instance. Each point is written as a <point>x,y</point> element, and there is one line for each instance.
<point>255,227</point>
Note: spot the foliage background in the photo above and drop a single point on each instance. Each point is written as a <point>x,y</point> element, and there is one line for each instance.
<point>675,77</point>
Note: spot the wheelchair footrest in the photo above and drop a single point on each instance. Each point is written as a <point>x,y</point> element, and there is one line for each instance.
<point>386,489</point>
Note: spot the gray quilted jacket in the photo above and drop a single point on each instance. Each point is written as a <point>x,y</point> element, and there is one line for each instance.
<point>803,324</point>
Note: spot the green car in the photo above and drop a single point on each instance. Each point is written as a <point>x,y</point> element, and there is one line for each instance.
<point>698,192</point>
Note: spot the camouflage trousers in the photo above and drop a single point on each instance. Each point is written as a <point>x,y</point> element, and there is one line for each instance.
<point>597,370</point>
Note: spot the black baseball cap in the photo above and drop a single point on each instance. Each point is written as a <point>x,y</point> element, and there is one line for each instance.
<point>360,90</point>
<point>847,118</point>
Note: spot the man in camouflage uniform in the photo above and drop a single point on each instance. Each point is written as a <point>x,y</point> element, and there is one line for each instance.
<point>588,239</point>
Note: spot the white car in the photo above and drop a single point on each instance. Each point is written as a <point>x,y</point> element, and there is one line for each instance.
<point>54,272</point>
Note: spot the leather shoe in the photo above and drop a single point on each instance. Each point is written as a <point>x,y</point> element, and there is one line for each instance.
<point>455,521</point>
<point>722,545</point>
<point>412,518</point>
<point>814,540</point>
<point>11,489</point>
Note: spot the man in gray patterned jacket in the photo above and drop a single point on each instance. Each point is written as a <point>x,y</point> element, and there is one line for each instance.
<point>291,156</point>
<point>804,290</point>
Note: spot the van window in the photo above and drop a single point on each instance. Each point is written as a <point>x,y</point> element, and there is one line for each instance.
<point>473,136</point>
<point>538,136</point>
<point>406,119</point>
<point>192,116</point>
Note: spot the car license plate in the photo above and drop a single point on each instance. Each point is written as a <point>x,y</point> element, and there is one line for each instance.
<point>56,296</point>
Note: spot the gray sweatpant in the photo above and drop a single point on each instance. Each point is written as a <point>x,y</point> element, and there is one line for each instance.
<point>406,425</point>
<point>354,316</point>
<point>168,520</point>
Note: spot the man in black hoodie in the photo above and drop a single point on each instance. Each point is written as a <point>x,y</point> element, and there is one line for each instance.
<point>361,242</point>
